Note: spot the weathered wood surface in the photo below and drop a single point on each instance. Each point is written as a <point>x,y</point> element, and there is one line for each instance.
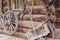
<point>16,34</point>
<point>7,37</point>
<point>25,28</point>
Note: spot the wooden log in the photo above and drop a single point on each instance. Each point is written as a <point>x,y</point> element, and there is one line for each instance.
<point>57,24</point>
<point>34,10</point>
<point>58,8</point>
<point>36,18</point>
<point>1,27</point>
<point>57,19</point>
<point>29,23</point>
<point>24,30</point>
<point>16,34</point>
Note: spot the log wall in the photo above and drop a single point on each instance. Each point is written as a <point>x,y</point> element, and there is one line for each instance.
<point>25,28</point>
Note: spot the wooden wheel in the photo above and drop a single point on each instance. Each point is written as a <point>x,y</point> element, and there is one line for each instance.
<point>10,22</point>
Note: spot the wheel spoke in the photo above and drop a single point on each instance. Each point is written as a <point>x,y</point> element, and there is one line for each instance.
<point>6,27</point>
<point>13,22</point>
<point>12,29</point>
<point>12,26</point>
<point>5,23</point>
<point>9,29</point>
